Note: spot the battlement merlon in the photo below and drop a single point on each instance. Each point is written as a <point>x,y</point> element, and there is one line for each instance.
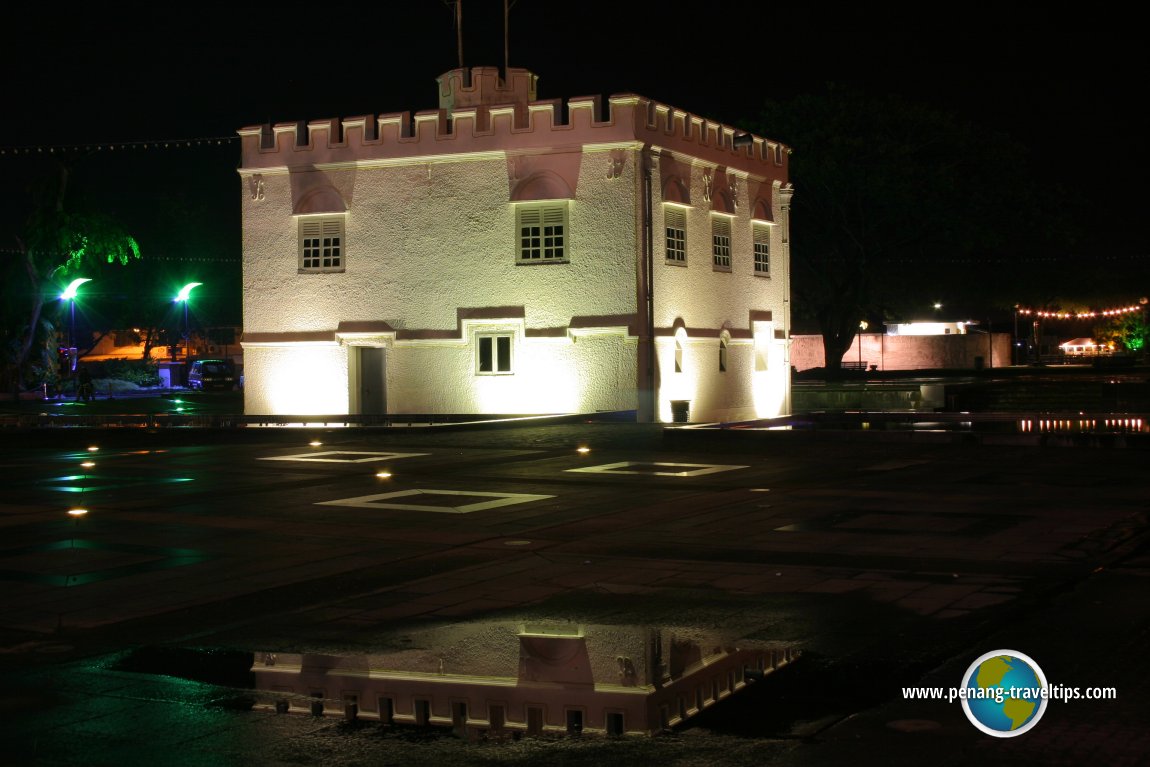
<point>485,128</point>
<point>480,86</point>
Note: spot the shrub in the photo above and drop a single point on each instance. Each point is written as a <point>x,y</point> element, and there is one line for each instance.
<point>138,372</point>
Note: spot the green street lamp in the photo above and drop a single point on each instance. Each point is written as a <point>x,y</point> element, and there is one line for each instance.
<point>69,295</point>
<point>184,296</point>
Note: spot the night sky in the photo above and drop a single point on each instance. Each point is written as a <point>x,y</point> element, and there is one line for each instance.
<point>1065,82</point>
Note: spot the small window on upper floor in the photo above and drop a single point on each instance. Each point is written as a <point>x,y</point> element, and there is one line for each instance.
<point>542,233</point>
<point>675,224</point>
<point>761,236</point>
<point>721,243</point>
<point>321,244</point>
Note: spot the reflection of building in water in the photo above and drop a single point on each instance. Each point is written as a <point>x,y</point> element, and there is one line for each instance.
<point>509,678</point>
<point>1083,425</point>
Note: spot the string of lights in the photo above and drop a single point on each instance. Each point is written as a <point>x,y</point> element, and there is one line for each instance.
<point>150,258</point>
<point>118,146</point>
<point>1086,314</point>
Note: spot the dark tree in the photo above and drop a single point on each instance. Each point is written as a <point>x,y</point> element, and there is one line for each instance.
<point>57,240</point>
<point>898,205</point>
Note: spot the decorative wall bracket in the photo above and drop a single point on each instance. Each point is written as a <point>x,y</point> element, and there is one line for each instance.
<point>617,162</point>
<point>256,186</point>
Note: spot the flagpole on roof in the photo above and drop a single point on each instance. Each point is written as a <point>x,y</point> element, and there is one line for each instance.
<point>459,29</point>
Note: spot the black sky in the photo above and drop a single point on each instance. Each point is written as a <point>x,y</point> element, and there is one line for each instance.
<point>1066,81</point>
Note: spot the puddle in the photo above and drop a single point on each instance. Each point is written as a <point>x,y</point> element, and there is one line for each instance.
<point>223,668</point>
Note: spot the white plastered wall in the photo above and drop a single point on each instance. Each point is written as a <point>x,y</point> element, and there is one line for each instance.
<point>551,375</point>
<point>705,300</point>
<point>296,379</point>
<point>423,240</point>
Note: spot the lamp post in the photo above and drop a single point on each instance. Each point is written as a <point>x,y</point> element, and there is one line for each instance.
<point>184,296</point>
<point>862,326</point>
<point>1014,343</point>
<point>69,295</point>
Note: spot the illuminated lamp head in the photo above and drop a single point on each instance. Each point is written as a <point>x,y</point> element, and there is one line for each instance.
<point>70,291</point>
<point>186,291</point>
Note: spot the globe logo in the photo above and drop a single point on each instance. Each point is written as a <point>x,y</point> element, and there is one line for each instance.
<point>1005,693</point>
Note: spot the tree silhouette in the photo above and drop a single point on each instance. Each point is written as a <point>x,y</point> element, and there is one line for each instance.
<point>57,240</point>
<point>898,205</point>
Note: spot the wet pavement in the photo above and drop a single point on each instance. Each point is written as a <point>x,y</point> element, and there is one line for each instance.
<point>128,635</point>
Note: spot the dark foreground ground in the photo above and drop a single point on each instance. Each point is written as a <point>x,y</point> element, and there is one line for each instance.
<point>125,637</point>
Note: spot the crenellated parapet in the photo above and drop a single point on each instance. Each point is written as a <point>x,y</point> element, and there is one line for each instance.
<point>482,86</point>
<point>481,113</point>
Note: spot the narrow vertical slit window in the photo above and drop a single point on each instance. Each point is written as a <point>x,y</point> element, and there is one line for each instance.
<point>762,353</point>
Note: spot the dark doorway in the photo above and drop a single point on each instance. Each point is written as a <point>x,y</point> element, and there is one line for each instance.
<point>372,376</point>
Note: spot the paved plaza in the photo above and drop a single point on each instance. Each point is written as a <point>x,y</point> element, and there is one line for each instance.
<point>883,563</point>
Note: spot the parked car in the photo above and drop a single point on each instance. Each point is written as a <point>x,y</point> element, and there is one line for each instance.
<point>207,374</point>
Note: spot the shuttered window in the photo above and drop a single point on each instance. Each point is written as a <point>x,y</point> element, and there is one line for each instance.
<point>542,232</point>
<point>721,242</point>
<point>675,224</point>
<point>321,244</point>
<point>761,235</point>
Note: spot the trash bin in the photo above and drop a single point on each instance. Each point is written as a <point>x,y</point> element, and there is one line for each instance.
<point>680,410</point>
<point>979,363</point>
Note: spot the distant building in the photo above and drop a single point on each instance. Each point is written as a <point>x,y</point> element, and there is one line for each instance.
<point>1078,347</point>
<point>506,255</point>
<point>928,328</point>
